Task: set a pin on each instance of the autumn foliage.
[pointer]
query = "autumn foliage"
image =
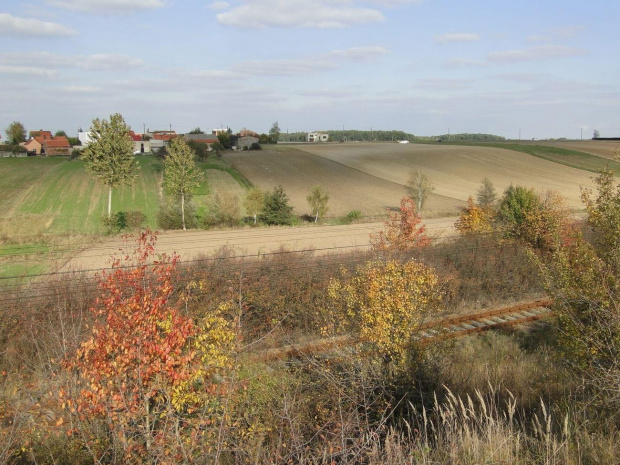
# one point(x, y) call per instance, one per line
point(474, 219)
point(384, 303)
point(403, 230)
point(147, 374)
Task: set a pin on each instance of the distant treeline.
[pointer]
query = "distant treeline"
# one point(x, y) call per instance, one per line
point(466, 137)
point(355, 135)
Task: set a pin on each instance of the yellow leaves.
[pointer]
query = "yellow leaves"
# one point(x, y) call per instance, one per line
point(384, 303)
point(474, 219)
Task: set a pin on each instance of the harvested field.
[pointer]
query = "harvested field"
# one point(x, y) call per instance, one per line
point(601, 148)
point(456, 171)
point(349, 188)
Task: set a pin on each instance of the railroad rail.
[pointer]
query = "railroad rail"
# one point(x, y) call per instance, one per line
point(431, 332)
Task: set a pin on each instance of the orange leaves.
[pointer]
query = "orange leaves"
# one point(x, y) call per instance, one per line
point(143, 360)
point(402, 231)
point(474, 219)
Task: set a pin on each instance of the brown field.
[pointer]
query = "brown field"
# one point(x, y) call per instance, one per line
point(349, 188)
point(601, 148)
point(456, 171)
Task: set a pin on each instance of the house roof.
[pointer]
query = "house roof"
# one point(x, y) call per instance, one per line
point(164, 135)
point(135, 137)
point(45, 135)
point(206, 138)
point(58, 142)
point(247, 132)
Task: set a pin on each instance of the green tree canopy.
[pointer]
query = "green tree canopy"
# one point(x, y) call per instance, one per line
point(419, 188)
point(181, 177)
point(276, 209)
point(274, 133)
point(16, 133)
point(254, 202)
point(317, 200)
point(109, 155)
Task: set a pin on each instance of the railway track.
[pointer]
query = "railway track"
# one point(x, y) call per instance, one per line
point(431, 332)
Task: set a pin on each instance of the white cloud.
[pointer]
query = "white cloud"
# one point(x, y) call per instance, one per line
point(28, 71)
point(457, 37)
point(29, 27)
point(107, 6)
point(320, 14)
point(98, 62)
point(443, 84)
point(464, 63)
point(311, 64)
point(358, 53)
point(284, 67)
point(219, 5)
point(541, 52)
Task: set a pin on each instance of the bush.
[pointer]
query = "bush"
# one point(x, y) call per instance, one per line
point(169, 215)
point(135, 219)
point(255, 146)
point(223, 209)
point(276, 209)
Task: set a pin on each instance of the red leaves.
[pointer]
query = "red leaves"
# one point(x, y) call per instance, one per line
point(403, 230)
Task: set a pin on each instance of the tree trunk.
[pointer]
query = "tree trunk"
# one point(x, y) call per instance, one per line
point(183, 210)
point(316, 218)
point(254, 218)
point(110, 202)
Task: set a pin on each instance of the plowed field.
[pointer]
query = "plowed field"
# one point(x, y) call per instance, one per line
point(456, 171)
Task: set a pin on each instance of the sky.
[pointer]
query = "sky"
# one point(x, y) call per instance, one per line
point(534, 69)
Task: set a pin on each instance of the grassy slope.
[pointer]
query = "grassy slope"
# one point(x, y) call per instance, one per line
point(572, 158)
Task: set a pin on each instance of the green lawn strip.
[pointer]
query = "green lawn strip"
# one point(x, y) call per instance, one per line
point(237, 176)
point(10, 250)
point(19, 272)
point(143, 194)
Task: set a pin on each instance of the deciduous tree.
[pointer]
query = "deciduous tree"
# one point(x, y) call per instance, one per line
point(317, 200)
point(486, 195)
point(148, 373)
point(403, 230)
point(274, 133)
point(254, 202)
point(16, 133)
point(109, 156)
point(473, 219)
point(181, 177)
point(419, 187)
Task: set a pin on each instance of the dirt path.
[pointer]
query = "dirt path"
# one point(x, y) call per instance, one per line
point(254, 242)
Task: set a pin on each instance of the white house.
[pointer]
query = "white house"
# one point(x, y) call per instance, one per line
point(317, 137)
point(84, 137)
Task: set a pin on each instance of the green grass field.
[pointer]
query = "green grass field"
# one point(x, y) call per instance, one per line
point(45, 201)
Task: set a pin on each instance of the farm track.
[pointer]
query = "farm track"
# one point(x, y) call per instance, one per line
point(431, 332)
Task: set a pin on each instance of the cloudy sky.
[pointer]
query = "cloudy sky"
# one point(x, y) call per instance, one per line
point(545, 67)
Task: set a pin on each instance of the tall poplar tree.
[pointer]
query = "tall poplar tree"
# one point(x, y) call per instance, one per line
point(181, 177)
point(109, 155)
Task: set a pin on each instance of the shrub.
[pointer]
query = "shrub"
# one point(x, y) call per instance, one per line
point(473, 219)
point(222, 209)
point(276, 209)
point(169, 215)
point(402, 231)
point(255, 146)
point(514, 206)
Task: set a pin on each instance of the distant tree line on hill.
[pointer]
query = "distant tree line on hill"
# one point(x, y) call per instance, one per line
point(467, 137)
point(389, 136)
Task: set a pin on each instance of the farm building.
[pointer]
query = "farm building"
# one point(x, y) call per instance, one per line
point(206, 139)
point(317, 137)
point(243, 142)
point(56, 146)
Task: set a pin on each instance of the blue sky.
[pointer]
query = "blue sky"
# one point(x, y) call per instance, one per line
point(546, 68)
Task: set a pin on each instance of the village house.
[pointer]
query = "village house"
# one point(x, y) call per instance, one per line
point(317, 137)
point(207, 139)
